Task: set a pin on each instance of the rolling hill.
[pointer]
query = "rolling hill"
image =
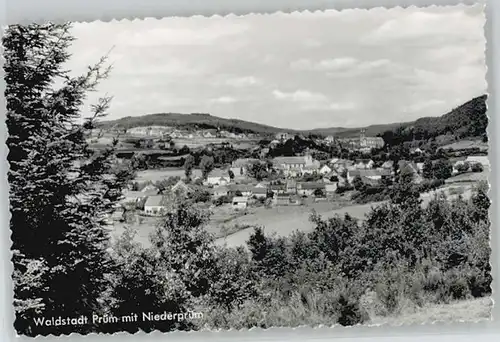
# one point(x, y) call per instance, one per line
point(466, 120)
point(193, 120)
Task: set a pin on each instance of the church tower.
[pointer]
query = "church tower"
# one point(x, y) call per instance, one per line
point(362, 138)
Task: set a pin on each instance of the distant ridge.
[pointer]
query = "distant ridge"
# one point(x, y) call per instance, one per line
point(468, 119)
point(198, 120)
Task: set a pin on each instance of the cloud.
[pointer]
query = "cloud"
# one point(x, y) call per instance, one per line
point(299, 96)
point(196, 32)
point(414, 25)
point(325, 64)
point(243, 81)
point(312, 101)
point(223, 100)
point(386, 65)
point(424, 105)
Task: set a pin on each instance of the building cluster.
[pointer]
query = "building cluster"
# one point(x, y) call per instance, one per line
point(361, 143)
point(174, 133)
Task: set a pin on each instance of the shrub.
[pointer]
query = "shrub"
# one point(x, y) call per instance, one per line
point(232, 281)
point(222, 200)
point(477, 167)
point(464, 167)
point(200, 195)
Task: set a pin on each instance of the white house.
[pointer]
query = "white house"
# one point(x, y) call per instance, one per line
point(158, 205)
point(310, 169)
point(388, 164)
point(220, 191)
point(374, 175)
point(420, 167)
point(330, 139)
point(330, 188)
point(217, 177)
point(240, 202)
point(364, 164)
point(325, 170)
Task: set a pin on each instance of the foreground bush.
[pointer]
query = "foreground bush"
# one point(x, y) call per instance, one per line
point(401, 258)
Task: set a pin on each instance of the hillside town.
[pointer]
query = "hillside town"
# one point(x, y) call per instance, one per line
point(298, 180)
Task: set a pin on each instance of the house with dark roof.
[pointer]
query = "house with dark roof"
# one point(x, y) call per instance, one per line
point(259, 192)
point(286, 199)
point(277, 188)
point(240, 189)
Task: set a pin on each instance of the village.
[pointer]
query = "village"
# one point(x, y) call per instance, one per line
point(245, 187)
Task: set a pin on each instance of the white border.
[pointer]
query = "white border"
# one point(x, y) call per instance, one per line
point(25, 11)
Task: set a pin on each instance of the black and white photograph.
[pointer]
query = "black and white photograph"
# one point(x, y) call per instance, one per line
point(317, 168)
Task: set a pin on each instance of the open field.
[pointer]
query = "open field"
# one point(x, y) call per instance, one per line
point(472, 310)
point(284, 220)
point(466, 144)
point(470, 177)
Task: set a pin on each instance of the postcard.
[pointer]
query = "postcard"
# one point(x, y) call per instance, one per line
point(324, 168)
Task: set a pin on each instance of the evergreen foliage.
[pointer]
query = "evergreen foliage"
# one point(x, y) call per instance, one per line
point(60, 190)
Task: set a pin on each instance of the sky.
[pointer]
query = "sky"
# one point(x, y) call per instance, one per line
point(298, 70)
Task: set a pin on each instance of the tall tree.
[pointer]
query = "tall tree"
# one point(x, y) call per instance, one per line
point(207, 164)
point(60, 190)
point(428, 169)
point(188, 166)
